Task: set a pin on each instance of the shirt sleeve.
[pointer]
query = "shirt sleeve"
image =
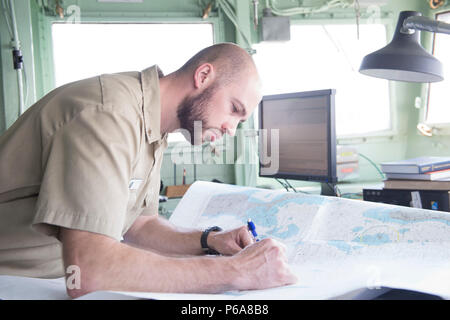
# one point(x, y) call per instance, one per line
point(86, 176)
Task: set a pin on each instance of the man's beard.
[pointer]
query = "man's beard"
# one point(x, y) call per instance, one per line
point(192, 110)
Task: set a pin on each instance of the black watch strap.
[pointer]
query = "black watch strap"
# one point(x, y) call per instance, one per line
point(204, 238)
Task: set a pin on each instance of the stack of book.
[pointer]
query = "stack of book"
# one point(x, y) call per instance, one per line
point(423, 173)
point(420, 182)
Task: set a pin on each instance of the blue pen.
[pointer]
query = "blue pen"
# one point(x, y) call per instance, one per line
point(252, 229)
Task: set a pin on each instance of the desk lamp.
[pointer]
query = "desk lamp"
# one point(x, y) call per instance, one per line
point(404, 59)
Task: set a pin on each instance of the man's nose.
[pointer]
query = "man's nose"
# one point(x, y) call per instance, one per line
point(230, 129)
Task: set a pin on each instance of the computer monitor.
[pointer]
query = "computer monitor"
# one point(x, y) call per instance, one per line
point(297, 136)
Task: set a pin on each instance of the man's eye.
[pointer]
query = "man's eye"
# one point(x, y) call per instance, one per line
point(234, 108)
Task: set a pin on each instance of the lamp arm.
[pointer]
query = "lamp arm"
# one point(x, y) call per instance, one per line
point(425, 24)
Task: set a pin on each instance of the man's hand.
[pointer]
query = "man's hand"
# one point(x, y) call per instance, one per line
point(260, 264)
point(230, 242)
point(263, 265)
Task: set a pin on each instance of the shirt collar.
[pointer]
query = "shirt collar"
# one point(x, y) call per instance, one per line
point(151, 106)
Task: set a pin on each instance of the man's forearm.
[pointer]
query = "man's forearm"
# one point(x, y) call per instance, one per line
point(155, 233)
point(117, 266)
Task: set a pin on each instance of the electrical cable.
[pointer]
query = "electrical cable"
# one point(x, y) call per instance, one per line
point(287, 182)
point(307, 10)
point(374, 164)
point(283, 184)
point(295, 190)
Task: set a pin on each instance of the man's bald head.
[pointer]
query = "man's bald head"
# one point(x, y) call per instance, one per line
point(229, 60)
point(225, 90)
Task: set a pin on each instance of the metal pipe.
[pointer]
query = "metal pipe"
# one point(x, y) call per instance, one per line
point(425, 24)
point(174, 174)
point(20, 88)
point(255, 13)
point(16, 46)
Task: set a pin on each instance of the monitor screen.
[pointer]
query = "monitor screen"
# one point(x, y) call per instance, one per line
point(297, 137)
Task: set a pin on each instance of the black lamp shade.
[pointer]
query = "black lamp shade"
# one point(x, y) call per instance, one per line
point(404, 59)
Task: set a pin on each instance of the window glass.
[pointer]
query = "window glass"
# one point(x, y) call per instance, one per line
point(85, 50)
point(438, 96)
point(328, 57)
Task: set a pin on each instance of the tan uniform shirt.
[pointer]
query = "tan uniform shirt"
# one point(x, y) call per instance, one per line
point(87, 156)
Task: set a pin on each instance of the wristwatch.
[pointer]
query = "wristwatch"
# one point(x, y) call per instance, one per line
point(204, 242)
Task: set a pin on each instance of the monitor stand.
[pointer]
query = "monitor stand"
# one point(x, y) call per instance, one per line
point(326, 189)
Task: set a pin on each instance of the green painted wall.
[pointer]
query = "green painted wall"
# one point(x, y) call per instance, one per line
point(34, 28)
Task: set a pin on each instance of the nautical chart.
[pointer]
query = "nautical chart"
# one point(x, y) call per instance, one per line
point(334, 244)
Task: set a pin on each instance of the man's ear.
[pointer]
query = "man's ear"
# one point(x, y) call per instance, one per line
point(203, 75)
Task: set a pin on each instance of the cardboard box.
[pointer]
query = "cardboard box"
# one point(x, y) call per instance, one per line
point(176, 191)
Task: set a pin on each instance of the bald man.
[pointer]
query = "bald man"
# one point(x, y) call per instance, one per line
point(79, 183)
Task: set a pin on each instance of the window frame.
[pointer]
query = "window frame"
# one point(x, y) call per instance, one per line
point(46, 49)
point(439, 129)
point(45, 33)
